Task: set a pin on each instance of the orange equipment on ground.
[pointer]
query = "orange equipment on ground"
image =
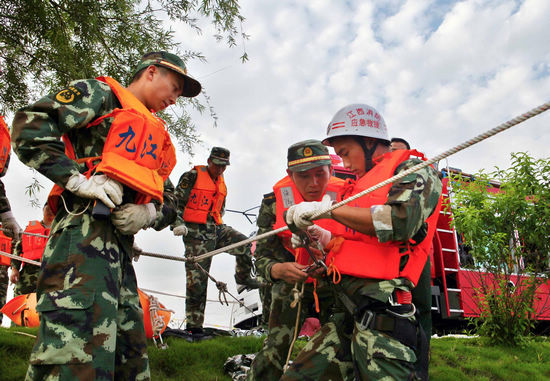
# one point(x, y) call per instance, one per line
point(161, 316)
point(22, 311)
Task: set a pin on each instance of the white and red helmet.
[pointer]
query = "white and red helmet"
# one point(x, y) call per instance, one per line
point(359, 120)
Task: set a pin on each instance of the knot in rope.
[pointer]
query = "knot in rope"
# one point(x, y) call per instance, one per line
point(157, 323)
point(297, 295)
point(222, 287)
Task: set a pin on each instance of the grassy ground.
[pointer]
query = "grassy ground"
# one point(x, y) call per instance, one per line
point(452, 358)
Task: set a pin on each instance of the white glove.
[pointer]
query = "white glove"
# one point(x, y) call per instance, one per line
point(130, 218)
point(98, 187)
point(300, 214)
point(12, 228)
point(181, 230)
point(317, 233)
point(323, 236)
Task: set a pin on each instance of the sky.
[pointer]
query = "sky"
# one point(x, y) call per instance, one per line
point(439, 72)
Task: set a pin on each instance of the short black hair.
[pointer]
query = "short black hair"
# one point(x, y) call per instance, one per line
point(139, 73)
point(401, 140)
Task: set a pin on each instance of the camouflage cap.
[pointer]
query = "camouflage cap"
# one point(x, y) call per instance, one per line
point(191, 87)
point(307, 154)
point(219, 156)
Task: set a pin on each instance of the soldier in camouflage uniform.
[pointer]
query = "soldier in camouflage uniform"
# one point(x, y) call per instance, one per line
point(10, 227)
point(199, 222)
point(25, 275)
point(422, 293)
point(91, 322)
point(371, 335)
point(309, 167)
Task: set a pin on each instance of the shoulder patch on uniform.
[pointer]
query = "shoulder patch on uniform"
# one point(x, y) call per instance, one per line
point(68, 95)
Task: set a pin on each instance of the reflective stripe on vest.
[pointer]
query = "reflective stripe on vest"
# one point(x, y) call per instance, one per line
point(286, 195)
point(206, 198)
point(363, 256)
point(4, 143)
point(33, 247)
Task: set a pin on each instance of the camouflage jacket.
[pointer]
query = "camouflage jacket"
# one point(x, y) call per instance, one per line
point(183, 191)
point(410, 202)
point(38, 128)
point(4, 203)
point(270, 250)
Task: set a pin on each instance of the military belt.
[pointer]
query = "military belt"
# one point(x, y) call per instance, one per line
point(400, 328)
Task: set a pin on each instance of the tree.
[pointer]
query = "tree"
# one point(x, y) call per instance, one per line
point(508, 235)
point(44, 44)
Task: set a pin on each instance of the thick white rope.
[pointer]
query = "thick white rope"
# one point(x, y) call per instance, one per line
point(182, 296)
point(502, 127)
point(298, 296)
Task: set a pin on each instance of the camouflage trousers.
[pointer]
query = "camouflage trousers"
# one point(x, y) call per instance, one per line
point(28, 276)
point(345, 350)
point(200, 241)
point(4, 282)
point(265, 297)
point(91, 322)
point(422, 299)
point(269, 362)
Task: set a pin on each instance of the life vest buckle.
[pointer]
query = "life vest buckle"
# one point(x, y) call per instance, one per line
point(365, 320)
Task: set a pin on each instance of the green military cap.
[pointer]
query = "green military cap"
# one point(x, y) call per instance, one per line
point(219, 155)
point(306, 155)
point(191, 87)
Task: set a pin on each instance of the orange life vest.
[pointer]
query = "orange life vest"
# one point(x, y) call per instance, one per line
point(286, 195)
point(363, 256)
point(5, 246)
point(4, 143)
point(138, 151)
point(206, 198)
point(33, 246)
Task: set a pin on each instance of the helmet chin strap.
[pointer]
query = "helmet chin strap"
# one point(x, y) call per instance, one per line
point(368, 152)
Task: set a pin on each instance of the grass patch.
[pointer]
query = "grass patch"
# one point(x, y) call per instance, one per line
point(469, 359)
point(451, 358)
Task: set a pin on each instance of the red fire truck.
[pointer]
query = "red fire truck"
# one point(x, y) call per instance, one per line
point(454, 286)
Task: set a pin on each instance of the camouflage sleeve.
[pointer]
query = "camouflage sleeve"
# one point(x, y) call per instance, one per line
point(183, 190)
point(17, 250)
point(410, 202)
point(37, 129)
point(167, 211)
point(270, 250)
point(4, 203)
